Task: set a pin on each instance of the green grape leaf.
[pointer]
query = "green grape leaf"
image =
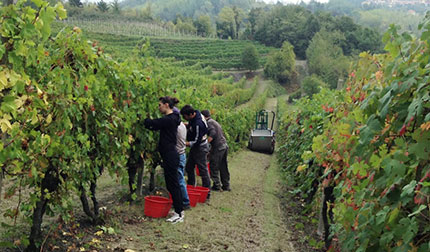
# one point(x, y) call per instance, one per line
point(62, 14)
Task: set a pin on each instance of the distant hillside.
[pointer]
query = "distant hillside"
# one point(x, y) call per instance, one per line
point(377, 14)
point(168, 9)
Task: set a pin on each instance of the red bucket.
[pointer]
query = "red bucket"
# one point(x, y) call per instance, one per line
point(194, 197)
point(203, 193)
point(157, 206)
point(198, 173)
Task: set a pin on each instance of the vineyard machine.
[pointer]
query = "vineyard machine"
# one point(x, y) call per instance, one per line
point(262, 138)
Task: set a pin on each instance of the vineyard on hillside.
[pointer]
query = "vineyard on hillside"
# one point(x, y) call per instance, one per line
point(119, 47)
point(217, 53)
point(360, 157)
point(220, 54)
point(69, 112)
point(127, 28)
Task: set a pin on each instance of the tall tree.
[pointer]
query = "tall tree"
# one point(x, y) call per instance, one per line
point(250, 58)
point(203, 25)
point(185, 25)
point(326, 59)
point(280, 65)
point(226, 23)
point(147, 12)
point(116, 9)
point(102, 6)
point(76, 3)
point(238, 17)
point(254, 15)
point(286, 23)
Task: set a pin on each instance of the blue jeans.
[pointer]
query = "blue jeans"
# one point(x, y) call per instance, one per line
point(182, 184)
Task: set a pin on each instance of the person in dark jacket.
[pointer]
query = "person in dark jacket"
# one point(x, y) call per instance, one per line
point(218, 154)
point(199, 148)
point(167, 125)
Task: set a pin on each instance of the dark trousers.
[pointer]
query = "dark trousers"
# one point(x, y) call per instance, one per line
point(171, 175)
point(197, 156)
point(219, 168)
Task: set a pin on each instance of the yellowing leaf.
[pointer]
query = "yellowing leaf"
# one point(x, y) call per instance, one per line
point(363, 54)
point(13, 78)
point(301, 167)
point(20, 101)
point(130, 139)
point(34, 118)
point(129, 250)
point(49, 119)
point(99, 233)
point(94, 240)
point(43, 164)
point(60, 11)
point(5, 125)
point(3, 80)
point(425, 126)
point(39, 92)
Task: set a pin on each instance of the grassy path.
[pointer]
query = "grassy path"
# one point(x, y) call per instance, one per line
point(262, 85)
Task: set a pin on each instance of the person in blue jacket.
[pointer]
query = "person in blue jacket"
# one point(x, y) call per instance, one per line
point(199, 148)
point(167, 125)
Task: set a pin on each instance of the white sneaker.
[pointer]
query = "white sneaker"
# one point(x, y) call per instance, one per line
point(176, 218)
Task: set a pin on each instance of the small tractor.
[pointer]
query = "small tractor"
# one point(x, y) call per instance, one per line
point(262, 138)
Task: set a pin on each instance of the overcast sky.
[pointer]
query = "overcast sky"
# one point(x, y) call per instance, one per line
point(290, 1)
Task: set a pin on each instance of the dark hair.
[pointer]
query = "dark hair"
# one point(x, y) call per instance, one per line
point(172, 101)
point(175, 100)
point(206, 113)
point(187, 110)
